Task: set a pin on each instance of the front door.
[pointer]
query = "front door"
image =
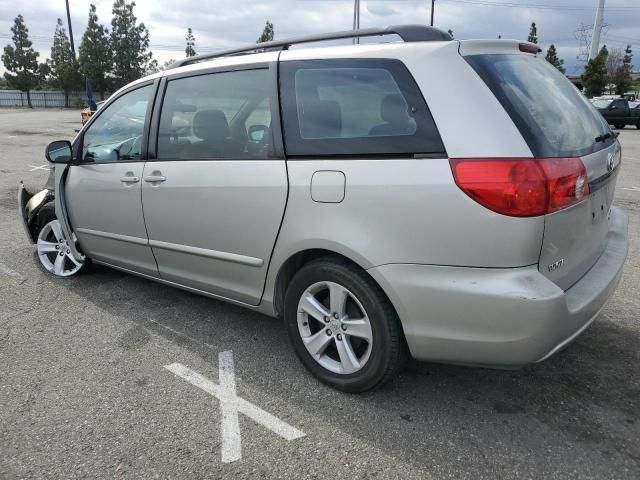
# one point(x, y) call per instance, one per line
point(103, 191)
point(215, 195)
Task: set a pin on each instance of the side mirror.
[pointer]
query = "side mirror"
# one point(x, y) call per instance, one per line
point(613, 107)
point(257, 132)
point(59, 151)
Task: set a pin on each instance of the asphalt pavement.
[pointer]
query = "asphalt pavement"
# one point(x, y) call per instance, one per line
point(84, 392)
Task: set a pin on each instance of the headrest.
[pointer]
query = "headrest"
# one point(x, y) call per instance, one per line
point(211, 125)
point(394, 109)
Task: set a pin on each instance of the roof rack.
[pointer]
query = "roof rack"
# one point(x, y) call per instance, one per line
point(408, 33)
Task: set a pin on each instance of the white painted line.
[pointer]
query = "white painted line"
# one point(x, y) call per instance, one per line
point(36, 167)
point(7, 271)
point(633, 189)
point(231, 405)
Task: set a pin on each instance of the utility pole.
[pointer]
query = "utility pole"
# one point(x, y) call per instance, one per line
point(433, 4)
point(356, 19)
point(597, 30)
point(73, 49)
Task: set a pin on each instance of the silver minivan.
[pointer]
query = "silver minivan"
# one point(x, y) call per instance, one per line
point(449, 200)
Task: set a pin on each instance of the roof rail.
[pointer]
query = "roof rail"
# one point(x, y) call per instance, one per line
point(408, 33)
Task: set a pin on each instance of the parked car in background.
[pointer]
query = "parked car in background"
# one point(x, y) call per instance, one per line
point(619, 112)
point(337, 188)
point(86, 113)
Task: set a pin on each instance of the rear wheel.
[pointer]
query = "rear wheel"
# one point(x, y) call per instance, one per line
point(342, 326)
point(620, 126)
point(638, 125)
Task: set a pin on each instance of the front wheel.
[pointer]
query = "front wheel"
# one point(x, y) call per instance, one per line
point(54, 253)
point(342, 326)
point(620, 126)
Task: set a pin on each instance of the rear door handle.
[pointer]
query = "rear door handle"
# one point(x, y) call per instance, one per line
point(155, 177)
point(129, 179)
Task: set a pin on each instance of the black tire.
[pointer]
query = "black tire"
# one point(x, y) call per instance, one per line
point(638, 125)
point(620, 126)
point(46, 213)
point(388, 350)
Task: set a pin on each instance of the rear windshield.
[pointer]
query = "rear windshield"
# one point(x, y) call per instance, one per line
point(554, 118)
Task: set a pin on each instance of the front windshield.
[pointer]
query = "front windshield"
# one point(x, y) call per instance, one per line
point(601, 103)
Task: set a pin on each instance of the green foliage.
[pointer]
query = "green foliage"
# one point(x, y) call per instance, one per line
point(63, 65)
point(594, 78)
point(191, 43)
point(95, 57)
point(622, 76)
point(552, 58)
point(533, 34)
point(129, 43)
point(267, 33)
point(21, 60)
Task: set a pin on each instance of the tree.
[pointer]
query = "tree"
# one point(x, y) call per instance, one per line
point(95, 59)
point(594, 77)
point(533, 34)
point(63, 65)
point(622, 76)
point(129, 44)
point(21, 60)
point(552, 58)
point(191, 43)
point(267, 33)
point(167, 64)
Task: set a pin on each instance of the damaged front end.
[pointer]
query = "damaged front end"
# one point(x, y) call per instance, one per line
point(29, 204)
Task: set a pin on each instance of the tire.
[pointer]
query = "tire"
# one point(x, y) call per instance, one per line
point(378, 360)
point(620, 126)
point(638, 125)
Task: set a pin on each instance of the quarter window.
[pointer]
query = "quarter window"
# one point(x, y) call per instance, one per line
point(218, 115)
point(352, 107)
point(116, 134)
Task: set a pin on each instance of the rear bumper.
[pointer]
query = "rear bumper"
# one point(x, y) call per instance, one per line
point(499, 317)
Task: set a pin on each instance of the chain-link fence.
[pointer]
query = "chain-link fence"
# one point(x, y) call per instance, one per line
point(41, 99)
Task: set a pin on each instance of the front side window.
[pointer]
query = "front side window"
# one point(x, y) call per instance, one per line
point(218, 115)
point(355, 107)
point(116, 134)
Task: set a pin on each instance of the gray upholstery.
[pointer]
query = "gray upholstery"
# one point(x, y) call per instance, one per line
point(321, 119)
point(212, 128)
point(395, 112)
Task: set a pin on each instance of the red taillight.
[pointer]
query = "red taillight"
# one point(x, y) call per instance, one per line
point(522, 187)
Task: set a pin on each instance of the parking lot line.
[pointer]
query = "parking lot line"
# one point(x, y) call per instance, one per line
point(231, 405)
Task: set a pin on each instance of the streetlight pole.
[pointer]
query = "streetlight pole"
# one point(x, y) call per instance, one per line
point(73, 49)
point(597, 29)
point(356, 19)
point(433, 4)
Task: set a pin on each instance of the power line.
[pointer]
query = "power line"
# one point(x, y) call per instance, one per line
point(625, 9)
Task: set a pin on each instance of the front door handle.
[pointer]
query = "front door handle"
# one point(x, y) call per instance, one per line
point(129, 179)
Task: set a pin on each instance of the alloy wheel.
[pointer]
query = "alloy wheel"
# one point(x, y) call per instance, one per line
point(334, 327)
point(54, 252)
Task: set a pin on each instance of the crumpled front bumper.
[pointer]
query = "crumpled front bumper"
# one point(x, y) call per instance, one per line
point(28, 206)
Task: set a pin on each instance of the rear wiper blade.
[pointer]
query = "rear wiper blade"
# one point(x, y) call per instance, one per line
point(603, 137)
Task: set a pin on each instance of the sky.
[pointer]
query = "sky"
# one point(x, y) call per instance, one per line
point(219, 24)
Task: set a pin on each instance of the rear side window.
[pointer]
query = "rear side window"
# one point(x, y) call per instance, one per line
point(554, 118)
point(354, 107)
